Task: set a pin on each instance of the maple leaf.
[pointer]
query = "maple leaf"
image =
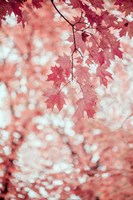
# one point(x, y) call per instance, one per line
point(101, 58)
point(97, 3)
point(75, 3)
point(94, 48)
point(115, 48)
point(85, 106)
point(80, 44)
point(87, 103)
point(108, 20)
point(102, 73)
point(126, 27)
point(91, 15)
point(119, 2)
point(112, 43)
point(56, 99)
point(125, 6)
point(4, 8)
point(79, 22)
point(65, 63)
point(84, 36)
point(9, 7)
point(16, 8)
point(57, 76)
point(37, 3)
point(82, 74)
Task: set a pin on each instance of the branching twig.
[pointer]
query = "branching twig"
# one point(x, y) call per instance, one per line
point(73, 33)
point(52, 1)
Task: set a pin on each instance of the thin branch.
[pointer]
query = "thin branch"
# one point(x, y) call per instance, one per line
point(52, 1)
point(73, 33)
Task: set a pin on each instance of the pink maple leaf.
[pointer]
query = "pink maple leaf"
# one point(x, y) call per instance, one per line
point(65, 63)
point(101, 58)
point(75, 3)
point(57, 76)
point(97, 3)
point(56, 99)
point(126, 27)
point(102, 73)
point(82, 74)
point(85, 106)
point(80, 44)
point(115, 45)
point(37, 3)
point(87, 103)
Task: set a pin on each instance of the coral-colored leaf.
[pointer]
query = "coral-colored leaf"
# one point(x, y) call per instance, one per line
point(85, 106)
point(82, 74)
point(97, 3)
point(65, 63)
point(87, 103)
point(102, 73)
point(101, 58)
point(75, 3)
point(125, 6)
point(80, 44)
point(37, 3)
point(57, 76)
point(126, 27)
point(56, 99)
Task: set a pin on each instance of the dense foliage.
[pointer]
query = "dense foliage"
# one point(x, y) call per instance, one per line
point(66, 100)
point(93, 42)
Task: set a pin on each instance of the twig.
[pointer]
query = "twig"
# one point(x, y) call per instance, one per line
point(73, 33)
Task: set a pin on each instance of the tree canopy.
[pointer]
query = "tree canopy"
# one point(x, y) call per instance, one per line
point(95, 32)
point(66, 107)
